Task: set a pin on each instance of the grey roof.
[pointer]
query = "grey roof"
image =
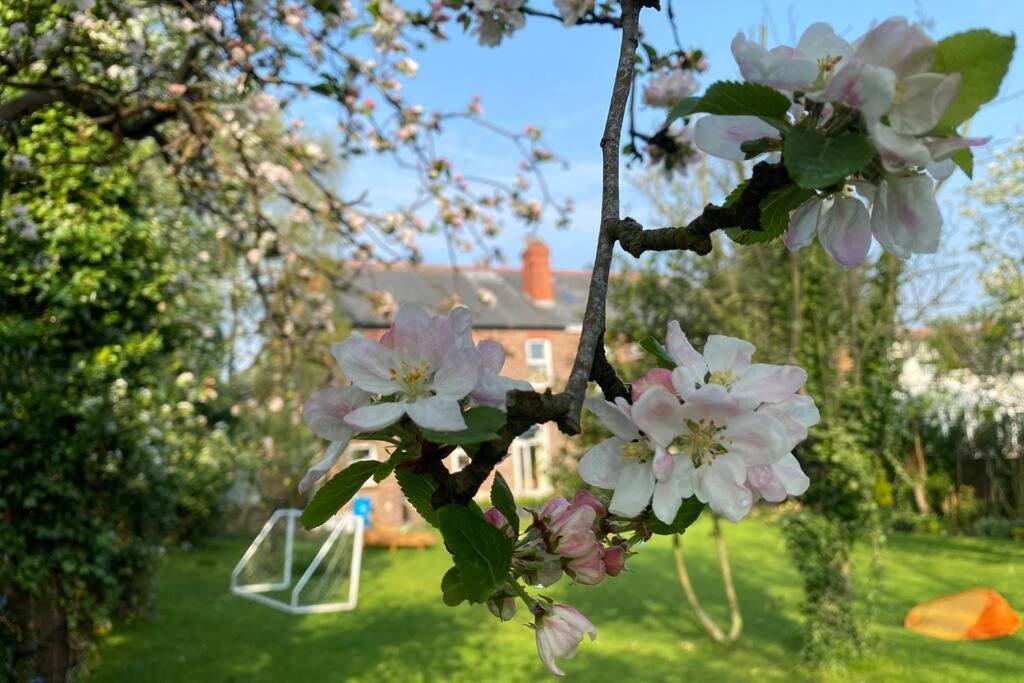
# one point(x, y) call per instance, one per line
point(432, 285)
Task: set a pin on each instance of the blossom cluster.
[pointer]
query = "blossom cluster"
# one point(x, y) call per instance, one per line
point(424, 366)
point(577, 539)
point(881, 85)
point(716, 426)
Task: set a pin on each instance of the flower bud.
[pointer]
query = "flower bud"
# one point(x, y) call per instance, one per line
point(496, 519)
point(584, 497)
point(614, 560)
point(589, 569)
point(560, 630)
point(654, 377)
point(502, 606)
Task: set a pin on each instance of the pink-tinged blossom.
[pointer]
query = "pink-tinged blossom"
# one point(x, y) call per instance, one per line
point(799, 68)
point(491, 388)
point(572, 530)
point(654, 377)
point(560, 630)
point(573, 10)
point(588, 569)
point(905, 218)
point(496, 519)
point(324, 413)
point(776, 481)
point(419, 364)
point(666, 88)
point(845, 231)
point(722, 136)
point(615, 560)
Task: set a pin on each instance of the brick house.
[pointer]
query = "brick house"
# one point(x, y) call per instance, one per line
point(534, 311)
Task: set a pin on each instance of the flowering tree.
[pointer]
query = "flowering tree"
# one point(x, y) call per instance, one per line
point(706, 428)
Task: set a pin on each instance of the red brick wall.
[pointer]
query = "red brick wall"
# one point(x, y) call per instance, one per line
point(389, 505)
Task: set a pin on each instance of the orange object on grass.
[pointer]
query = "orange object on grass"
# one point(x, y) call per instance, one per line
point(977, 614)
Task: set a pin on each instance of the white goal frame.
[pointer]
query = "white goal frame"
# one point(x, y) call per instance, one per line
point(255, 591)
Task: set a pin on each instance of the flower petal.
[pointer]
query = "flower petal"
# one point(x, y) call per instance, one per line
point(771, 383)
point(906, 217)
point(366, 364)
point(846, 231)
point(669, 494)
point(682, 351)
point(324, 411)
point(317, 471)
point(375, 417)
point(633, 489)
point(659, 415)
point(720, 485)
point(897, 45)
point(869, 89)
point(601, 465)
point(441, 413)
point(492, 355)
point(820, 42)
point(781, 68)
point(727, 354)
point(756, 438)
point(721, 136)
point(458, 374)
point(803, 224)
point(898, 151)
point(711, 402)
point(925, 98)
point(461, 319)
point(613, 417)
point(788, 472)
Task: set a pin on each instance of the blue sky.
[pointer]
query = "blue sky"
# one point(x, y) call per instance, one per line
point(559, 79)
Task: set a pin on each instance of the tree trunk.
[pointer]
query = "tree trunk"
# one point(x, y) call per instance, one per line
point(736, 625)
point(44, 652)
point(920, 494)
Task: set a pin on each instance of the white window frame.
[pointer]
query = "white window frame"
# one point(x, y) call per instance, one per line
point(521, 447)
point(548, 360)
point(373, 454)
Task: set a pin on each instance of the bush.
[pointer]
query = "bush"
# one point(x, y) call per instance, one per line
point(999, 527)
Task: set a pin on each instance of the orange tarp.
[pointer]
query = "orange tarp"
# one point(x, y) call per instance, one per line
point(977, 614)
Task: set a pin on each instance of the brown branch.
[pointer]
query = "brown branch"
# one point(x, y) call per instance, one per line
point(695, 236)
point(594, 315)
point(604, 374)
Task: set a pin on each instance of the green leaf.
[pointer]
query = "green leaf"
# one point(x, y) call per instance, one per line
point(964, 158)
point(451, 588)
point(502, 498)
point(775, 210)
point(736, 193)
point(419, 491)
point(482, 553)
point(658, 350)
point(330, 497)
point(981, 58)
point(482, 424)
point(814, 160)
point(688, 513)
point(735, 99)
point(402, 453)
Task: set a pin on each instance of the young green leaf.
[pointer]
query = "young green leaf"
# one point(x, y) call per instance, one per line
point(451, 588)
point(402, 453)
point(330, 497)
point(482, 553)
point(981, 58)
point(482, 424)
point(688, 513)
point(735, 99)
point(658, 350)
point(815, 160)
point(964, 158)
point(502, 498)
point(419, 490)
point(775, 210)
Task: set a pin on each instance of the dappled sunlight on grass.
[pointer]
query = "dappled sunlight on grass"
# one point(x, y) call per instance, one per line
point(401, 631)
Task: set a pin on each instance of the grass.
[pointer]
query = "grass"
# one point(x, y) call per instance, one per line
point(401, 631)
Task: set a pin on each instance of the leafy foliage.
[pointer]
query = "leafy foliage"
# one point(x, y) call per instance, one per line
point(732, 98)
point(330, 497)
point(982, 58)
point(482, 553)
point(815, 160)
point(688, 513)
point(482, 424)
point(775, 210)
point(504, 501)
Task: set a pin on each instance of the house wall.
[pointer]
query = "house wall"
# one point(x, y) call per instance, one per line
point(390, 508)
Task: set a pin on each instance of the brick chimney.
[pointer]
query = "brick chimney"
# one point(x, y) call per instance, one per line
point(537, 281)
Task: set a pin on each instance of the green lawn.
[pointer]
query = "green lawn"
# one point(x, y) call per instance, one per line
point(402, 632)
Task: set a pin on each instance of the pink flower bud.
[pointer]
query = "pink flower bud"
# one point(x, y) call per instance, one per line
point(496, 519)
point(572, 532)
point(584, 497)
point(560, 630)
point(614, 560)
point(654, 377)
point(589, 569)
point(554, 507)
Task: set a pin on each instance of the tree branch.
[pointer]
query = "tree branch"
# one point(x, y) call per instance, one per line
point(695, 236)
point(594, 315)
